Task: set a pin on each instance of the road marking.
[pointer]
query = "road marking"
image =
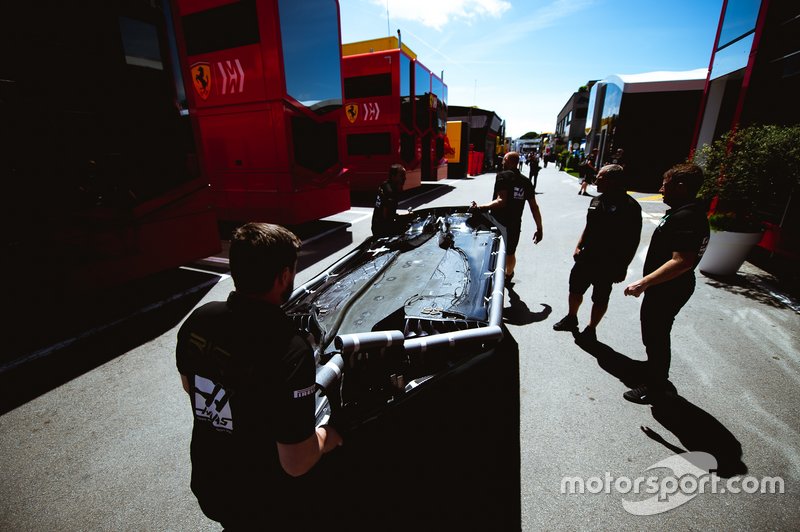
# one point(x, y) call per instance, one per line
point(653, 198)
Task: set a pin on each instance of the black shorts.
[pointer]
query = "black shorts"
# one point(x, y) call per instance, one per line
point(512, 240)
point(583, 275)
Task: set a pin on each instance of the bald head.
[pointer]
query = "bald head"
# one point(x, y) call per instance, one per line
point(511, 160)
point(610, 177)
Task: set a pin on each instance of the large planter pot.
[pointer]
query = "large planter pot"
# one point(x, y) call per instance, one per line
point(727, 251)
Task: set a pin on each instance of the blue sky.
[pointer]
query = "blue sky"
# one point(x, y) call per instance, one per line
point(524, 59)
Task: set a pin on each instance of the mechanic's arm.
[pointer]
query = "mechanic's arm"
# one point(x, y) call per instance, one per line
point(497, 203)
point(387, 213)
point(681, 261)
point(579, 246)
point(537, 217)
point(298, 458)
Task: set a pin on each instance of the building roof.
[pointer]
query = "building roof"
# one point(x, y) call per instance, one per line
point(478, 118)
point(376, 45)
point(660, 81)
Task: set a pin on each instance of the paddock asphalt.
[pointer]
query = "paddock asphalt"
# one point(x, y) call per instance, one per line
point(95, 427)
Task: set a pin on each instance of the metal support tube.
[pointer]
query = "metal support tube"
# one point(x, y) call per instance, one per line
point(330, 372)
point(421, 344)
point(353, 343)
point(498, 286)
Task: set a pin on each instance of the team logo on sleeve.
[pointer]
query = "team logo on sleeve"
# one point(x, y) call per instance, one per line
point(212, 404)
point(201, 78)
point(519, 193)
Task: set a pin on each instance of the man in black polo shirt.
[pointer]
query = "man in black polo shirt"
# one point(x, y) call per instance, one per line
point(675, 249)
point(511, 192)
point(250, 378)
point(605, 248)
point(386, 221)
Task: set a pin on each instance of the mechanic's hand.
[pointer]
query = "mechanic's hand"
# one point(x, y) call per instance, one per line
point(537, 236)
point(576, 253)
point(636, 289)
point(332, 438)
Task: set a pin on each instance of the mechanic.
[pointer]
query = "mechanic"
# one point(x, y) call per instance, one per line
point(250, 379)
point(604, 251)
point(511, 192)
point(675, 249)
point(386, 220)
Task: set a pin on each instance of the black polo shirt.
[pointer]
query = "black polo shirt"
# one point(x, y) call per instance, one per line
point(683, 229)
point(251, 385)
point(519, 190)
point(613, 229)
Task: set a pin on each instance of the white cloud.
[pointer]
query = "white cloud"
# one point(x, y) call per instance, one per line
point(437, 13)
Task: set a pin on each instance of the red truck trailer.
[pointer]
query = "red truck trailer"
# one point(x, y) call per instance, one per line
point(395, 112)
point(100, 179)
point(264, 90)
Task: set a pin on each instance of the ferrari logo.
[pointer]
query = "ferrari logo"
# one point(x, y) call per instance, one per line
point(201, 78)
point(352, 112)
point(434, 101)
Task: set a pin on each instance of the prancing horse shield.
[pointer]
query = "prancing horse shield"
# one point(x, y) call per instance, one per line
point(352, 112)
point(201, 78)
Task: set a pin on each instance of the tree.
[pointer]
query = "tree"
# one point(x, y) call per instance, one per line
point(750, 171)
point(529, 135)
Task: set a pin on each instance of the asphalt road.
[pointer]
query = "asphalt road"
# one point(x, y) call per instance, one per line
point(105, 447)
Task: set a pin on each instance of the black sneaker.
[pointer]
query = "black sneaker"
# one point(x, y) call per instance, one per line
point(567, 323)
point(587, 336)
point(641, 395)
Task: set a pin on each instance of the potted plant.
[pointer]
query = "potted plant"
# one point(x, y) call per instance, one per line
point(747, 172)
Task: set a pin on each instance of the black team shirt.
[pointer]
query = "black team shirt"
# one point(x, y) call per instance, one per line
point(251, 385)
point(519, 190)
point(613, 229)
point(683, 229)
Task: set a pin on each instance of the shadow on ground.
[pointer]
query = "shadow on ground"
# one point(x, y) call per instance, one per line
point(751, 286)
point(49, 345)
point(696, 429)
point(518, 313)
point(630, 372)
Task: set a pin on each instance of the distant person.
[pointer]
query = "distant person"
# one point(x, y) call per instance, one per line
point(386, 221)
point(546, 156)
point(251, 382)
point(675, 249)
point(522, 160)
point(511, 192)
point(618, 157)
point(533, 170)
point(604, 250)
point(587, 171)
